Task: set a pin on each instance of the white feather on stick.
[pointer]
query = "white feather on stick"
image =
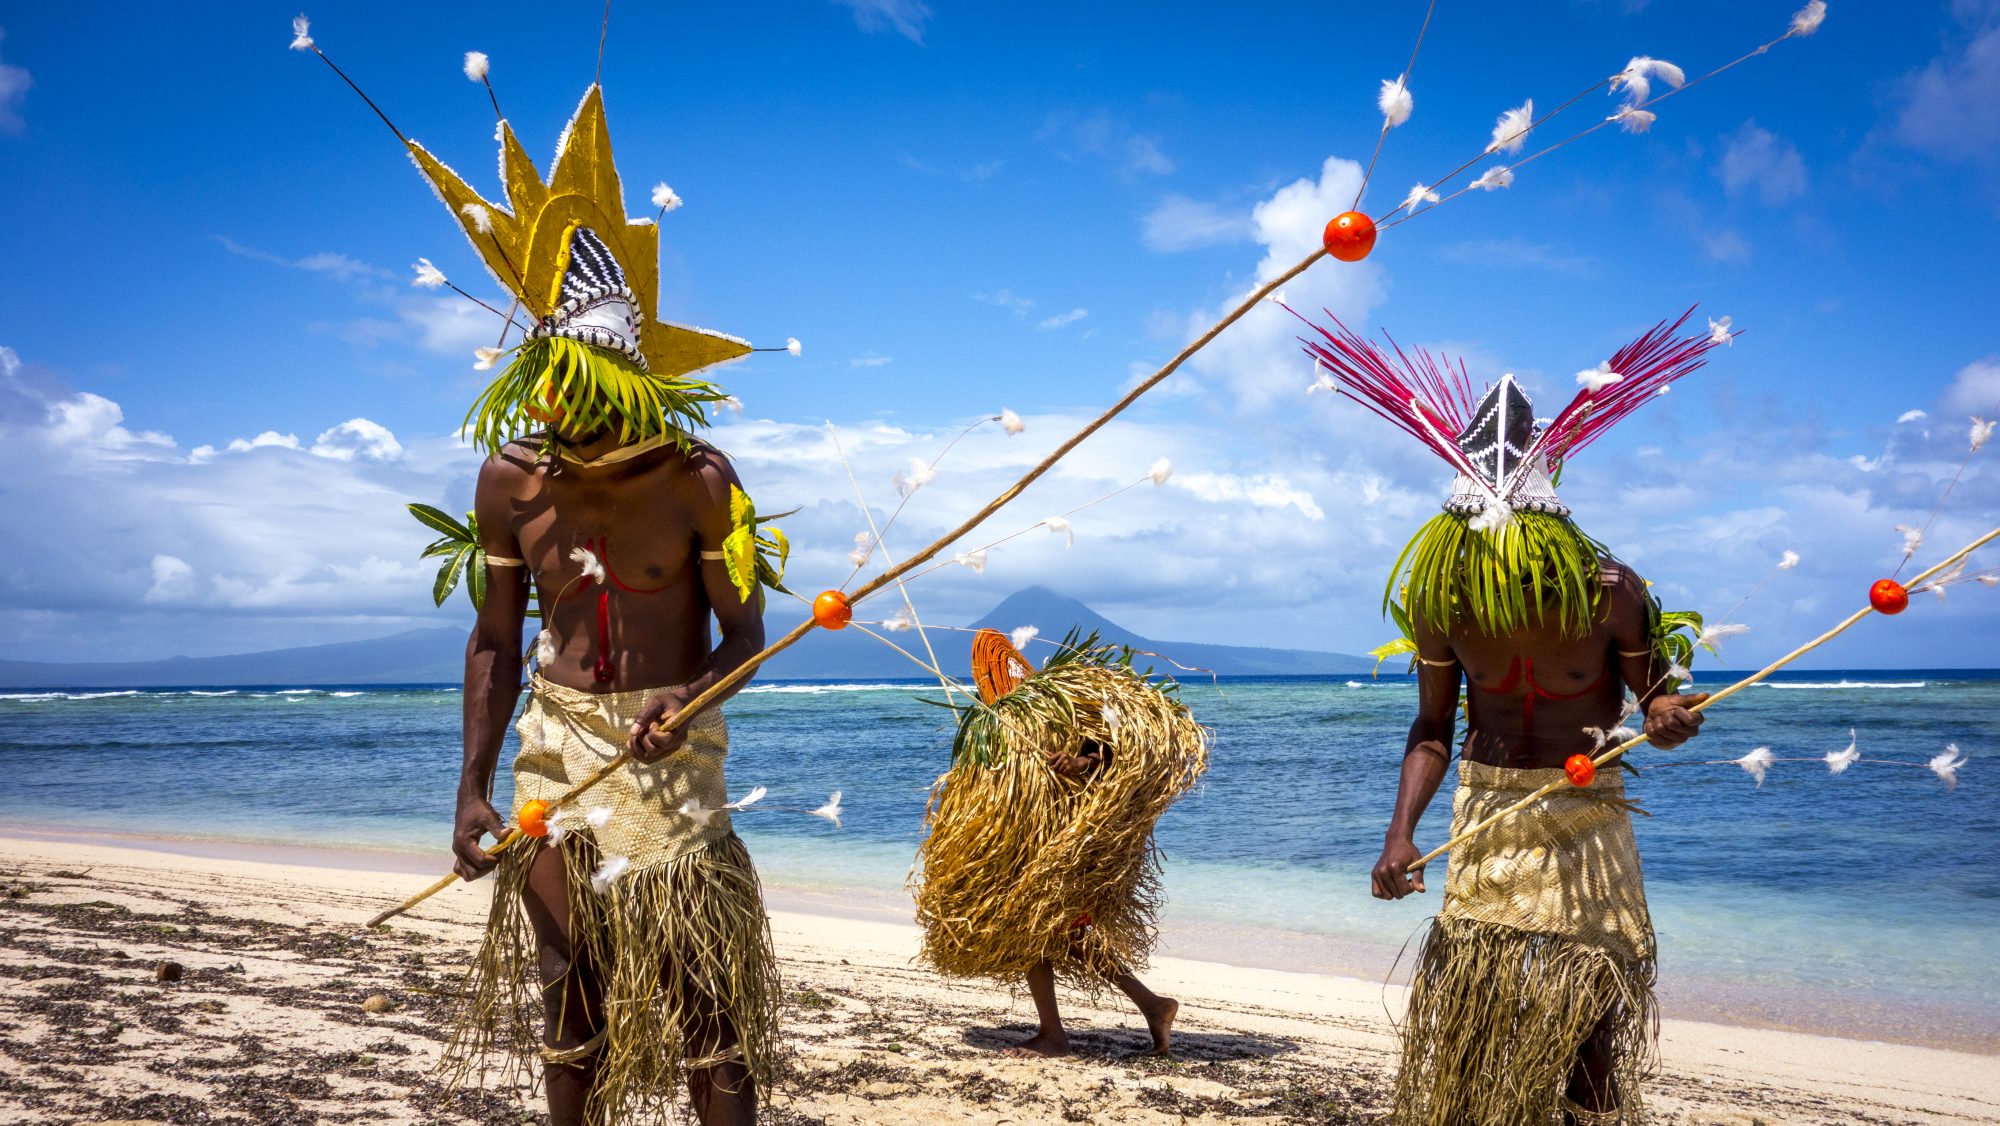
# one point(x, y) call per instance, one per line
point(1806, 20)
point(483, 359)
point(1913, 538)
point(793, 346)
point(1598, 378)
point(598, 817)
point(864, 546)
point(1911, 416)
point(1160, 471)
point(545, 648)
point(975, 561)
point(608, 873)
point(1060, 526)
point(831, 810)
point(428, 276)
point(1419, 194)
point(1498, 176)
point(1321, 380)
point(898, 622)
point(693, 808)
point(1011, 422)
point(587, 559)
point(1837, 761)
point(1757, 763)
point(908, 481)
point(664, 197)
point(1020, 637)
point(1394, 101)
point(1946, 765)
point(477, 65)
point(1510, 132)
point(301, 40)
point(1981, 433)
point(1637, 77)
point(1718, 331)
point(1788, 560)
point(1632, 119)
point(755, 795)
point(482, 219)
point(1712, 634)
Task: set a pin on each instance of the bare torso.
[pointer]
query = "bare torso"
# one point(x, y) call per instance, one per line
point(1532, 693)
point(640, 519)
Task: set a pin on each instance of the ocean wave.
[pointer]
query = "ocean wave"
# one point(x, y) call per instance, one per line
point(223, 692)
point(816, 689)
point(345, 695)
point(1844, 684)
point(31, 695)
point(295, 692)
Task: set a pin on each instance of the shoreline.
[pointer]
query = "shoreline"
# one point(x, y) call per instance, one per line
point(268, 1024)
point(1355, 964)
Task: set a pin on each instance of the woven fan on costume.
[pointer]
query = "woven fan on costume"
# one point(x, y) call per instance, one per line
point(1505, 457)
point(997, 667)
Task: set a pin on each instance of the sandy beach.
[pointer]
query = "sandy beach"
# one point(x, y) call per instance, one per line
point(169, 983)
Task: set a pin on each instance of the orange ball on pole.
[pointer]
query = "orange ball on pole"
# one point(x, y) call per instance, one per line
point(533, 817)
point(1582, 770)
point(1349, 236)
point(831, 611)
point(1888, 597)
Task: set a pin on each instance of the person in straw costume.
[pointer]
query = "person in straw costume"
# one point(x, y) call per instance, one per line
point(1038, 862)
point(637, 910)
point(1532, 997)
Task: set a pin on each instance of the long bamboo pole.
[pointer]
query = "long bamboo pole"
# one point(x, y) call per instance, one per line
point(742, 672)
point(1715, 697)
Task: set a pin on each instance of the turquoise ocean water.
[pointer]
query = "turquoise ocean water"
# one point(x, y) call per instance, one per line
point(1865, 904)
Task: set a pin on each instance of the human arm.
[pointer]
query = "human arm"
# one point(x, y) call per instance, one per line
point(740, 621)
point(1425, 756)
point(492, 675)
point(1090, 755)
point(1669, 718)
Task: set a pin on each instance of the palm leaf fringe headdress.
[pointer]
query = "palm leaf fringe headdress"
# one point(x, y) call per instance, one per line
point(1504, 544)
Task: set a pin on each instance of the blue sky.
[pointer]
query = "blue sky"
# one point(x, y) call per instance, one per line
point(964, 207)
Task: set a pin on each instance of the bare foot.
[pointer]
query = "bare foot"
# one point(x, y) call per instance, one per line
point(1160, 1022)
point(1040, 1045)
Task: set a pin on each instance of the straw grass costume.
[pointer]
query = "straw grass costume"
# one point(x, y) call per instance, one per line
point(664, 908)
point(1544, 932)
point(1020, 865)
point(676, 934)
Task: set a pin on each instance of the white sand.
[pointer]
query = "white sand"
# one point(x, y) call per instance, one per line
point(93, 1037)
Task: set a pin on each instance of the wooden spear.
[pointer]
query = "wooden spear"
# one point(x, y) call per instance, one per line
point(1716, 697)
point(742, 672)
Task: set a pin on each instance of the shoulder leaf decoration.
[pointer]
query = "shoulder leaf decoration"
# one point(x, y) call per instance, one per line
point(463, 557)
point(753, 560)
point(1405, 645)
point(458, 546)
point(1676, 634)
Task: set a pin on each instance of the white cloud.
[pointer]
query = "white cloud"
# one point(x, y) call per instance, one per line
point(870, 360)
point(1100, 134)
point(1518, 252)
point(1976, 388)
point(1006, 299)
point(904, 17)
point(358, 437)
point(1756, 159)
point(1951, 108)
point(1181, 223)
point(1063, 320)
point(1258, 359)
point(1725, 246)
point(1262, 490)
point(269, 439)
point(173, 580)
point(14, 84)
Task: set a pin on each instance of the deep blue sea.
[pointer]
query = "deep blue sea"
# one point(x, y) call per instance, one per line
point(1864, 904)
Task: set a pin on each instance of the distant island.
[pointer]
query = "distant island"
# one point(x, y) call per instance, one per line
point(436, 656)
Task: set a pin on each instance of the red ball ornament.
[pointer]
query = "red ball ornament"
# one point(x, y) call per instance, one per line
point(1888, 597)
point(1350, 235)
point(1581, 769)
point(533, 817)
point(831, 611)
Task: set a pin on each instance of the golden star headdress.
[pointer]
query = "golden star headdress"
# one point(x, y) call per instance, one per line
point(595, 355)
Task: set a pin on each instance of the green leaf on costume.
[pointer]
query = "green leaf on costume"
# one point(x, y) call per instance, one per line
point(1394, 648)
point(447, 578)
point(437, 521)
